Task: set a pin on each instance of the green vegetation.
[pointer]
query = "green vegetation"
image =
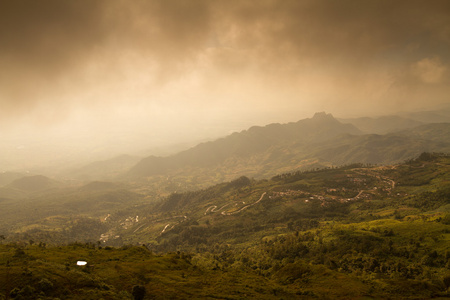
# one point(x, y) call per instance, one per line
point(354, 232)
point(39, 272)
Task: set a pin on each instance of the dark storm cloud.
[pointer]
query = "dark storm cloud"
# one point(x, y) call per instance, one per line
point(44, 41)
point(51, 49)
point(40, 41)
point(343, 31)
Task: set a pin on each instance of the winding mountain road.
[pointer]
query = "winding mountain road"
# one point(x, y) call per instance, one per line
point(245, 207)
point(165, 228)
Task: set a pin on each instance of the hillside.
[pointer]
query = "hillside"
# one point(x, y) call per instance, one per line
point(103, 170)
point(435, 132)
point(327, 193)
point(33, 183)
point(8, 177)
point(41, 272)
point(431, 116)
point(385, 149)
point(382, 125)
point(67, 214)
point(254, 143)
point(262, 152)
point(350, 232)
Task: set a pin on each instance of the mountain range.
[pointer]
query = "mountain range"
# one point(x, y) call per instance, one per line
point(256, 143)
point(320, 141)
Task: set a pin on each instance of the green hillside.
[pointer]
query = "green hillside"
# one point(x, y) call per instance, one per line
point(354, 232)
point(41, 272)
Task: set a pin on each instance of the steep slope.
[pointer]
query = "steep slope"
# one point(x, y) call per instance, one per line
point(254, 143)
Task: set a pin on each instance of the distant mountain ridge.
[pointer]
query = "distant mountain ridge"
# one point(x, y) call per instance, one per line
point(8, 177)
point(248, 143)
point(382, 125)
point(105, 169)
point(400, 121)
point(34, 183)
point(377, 149)
point(309, 143)
point(440, 116)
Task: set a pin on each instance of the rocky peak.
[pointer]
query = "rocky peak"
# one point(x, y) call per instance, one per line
point(322, 115)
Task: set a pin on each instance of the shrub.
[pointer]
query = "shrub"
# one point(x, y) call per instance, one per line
point(138, 292)
point(45, 285)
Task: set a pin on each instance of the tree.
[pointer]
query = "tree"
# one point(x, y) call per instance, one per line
point(45, 285)
point(138, 292)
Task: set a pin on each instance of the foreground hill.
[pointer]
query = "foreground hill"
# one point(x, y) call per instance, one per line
point(40, 272)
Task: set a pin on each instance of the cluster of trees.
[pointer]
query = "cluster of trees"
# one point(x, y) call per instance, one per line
point(374, 256)
point(429, 200)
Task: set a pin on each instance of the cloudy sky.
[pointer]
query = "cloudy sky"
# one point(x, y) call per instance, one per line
point(174, 67)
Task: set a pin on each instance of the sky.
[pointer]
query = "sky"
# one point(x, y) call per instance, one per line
point(142, 73)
